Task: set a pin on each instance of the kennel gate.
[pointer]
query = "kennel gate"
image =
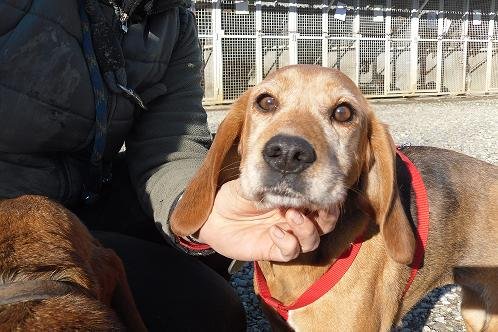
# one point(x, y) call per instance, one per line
point(388, 47)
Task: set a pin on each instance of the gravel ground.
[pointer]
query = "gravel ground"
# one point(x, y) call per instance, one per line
point(465, 124)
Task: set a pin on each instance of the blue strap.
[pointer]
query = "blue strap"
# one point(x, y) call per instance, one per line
point(95, 177)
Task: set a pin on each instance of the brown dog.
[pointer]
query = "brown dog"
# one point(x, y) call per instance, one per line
point(307, 138)
point(54, 276)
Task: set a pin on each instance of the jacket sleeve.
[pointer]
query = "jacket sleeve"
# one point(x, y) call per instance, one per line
point(169, 141)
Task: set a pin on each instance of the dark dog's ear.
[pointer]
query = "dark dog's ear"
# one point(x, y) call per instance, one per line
point(221, 165)
point(382, 193)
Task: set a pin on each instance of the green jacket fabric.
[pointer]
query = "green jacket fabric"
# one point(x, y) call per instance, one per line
point(47, 111)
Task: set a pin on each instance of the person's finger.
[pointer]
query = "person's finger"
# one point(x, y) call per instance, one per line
point(286, 245)
point(327, 219)
point(303, 229)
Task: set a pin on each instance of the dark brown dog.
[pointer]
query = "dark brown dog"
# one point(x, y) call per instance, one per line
point(307, 138)
point(54, 276)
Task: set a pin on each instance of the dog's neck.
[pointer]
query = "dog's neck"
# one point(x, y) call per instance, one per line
point(288, 281)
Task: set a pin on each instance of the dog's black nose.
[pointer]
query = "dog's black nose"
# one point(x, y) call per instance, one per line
point(288, 154)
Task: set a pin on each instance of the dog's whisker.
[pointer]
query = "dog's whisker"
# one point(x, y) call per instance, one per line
point(235, 163)
point(229, 168)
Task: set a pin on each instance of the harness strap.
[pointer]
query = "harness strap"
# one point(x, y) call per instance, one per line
point(315, 291)
point(34, 290)
point(422, 203)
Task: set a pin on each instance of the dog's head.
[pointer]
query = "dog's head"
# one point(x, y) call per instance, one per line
point(302, 138)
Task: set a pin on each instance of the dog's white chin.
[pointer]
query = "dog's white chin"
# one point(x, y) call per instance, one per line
point(271, 201)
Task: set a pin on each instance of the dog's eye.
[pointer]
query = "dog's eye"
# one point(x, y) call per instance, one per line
point(267, 103)
point(342, 113)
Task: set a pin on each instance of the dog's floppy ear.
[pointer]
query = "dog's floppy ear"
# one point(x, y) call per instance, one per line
point(221, 165)
point(381, 191)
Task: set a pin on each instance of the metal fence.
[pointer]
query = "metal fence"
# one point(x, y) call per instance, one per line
point(388, 47)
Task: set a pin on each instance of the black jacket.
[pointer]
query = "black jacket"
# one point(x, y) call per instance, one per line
point(47, 111)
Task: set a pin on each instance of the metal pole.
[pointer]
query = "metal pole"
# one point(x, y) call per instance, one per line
point(356, 34)
point(422, 7)
point(259, 42)
point(465, 31)
point(387, 57)
point(293, 32)
point(439, 52)
point(217, 51)
point(325, 33)
point(414, 47)
point(489, 54)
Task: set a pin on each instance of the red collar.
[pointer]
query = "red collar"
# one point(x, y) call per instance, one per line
point(344, 262)
point(315, 291)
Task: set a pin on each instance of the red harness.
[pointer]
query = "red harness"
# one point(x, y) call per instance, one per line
point(343, 263)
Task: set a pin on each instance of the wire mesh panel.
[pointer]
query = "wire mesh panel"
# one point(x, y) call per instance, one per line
point(476, 66)
point(309, 51)
point(309, 18)
point(208, 78)
point(479, 19)
point(400, 66)
point(428, 20)
point(239, 61)
point(340, 23)
point(452, 67)
point(494, 66)
point(274, 18)
point(203, 13)
point(342, 56)
point(400, 19)
point(371, 67)
point(372, 18)
point(454, 14)
point(427, 66)
point(462, 62)
point(275, 54)
point(238, 17)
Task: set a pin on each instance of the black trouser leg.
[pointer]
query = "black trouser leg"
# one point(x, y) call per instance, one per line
point(173, 291)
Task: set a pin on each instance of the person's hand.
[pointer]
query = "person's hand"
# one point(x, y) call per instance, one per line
point(236, 228)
